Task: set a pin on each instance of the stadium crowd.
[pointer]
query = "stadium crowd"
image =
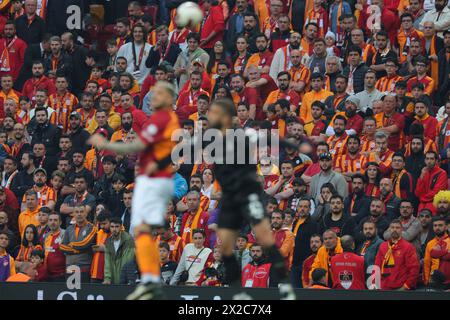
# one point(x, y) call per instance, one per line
point(361, 87)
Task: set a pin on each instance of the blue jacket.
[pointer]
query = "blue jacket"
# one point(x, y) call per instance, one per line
point(181, 186)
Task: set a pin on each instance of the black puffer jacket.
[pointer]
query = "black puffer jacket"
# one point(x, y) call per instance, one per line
point(48, 134)
point(358, 76)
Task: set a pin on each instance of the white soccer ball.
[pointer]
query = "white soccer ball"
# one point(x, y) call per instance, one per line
point(188, 14)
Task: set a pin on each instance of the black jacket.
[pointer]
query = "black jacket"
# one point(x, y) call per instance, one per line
point(48, 134)
point(358, 76)
point(344, 226)
point(64, 65)
point(171, 57)
point(79, 138)
point(302, 248)
point(361, 206)
point(33, 33)
point(81, 71)
point(21, 183)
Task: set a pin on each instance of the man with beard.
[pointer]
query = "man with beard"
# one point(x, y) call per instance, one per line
point(283, 92)
point(331, 247)
point(12, 51)
point(115, 259)
point(248, 95)
point(284, 238)
point(347, 268)
point(390, 200)
point(327, 175)
point(410, 225)
point(315, 129)
point(45, 132)
point(263, 57)
point(299, 186)
point(314, 245)
point(78, 135)
point(431, 181)
point(336, 220)
point(187, 100)
point(24, 179)
point(355, 121)
point(301, 161)
point(376, 215)
point(86, 108)
point(98, 259)
point(46, 195)
point(369, 94)
point(79, 197)
point(382, 54)
point(402, 179)
point(8, 126)
point(338, 138)
point(56, 261)
point(58, 62)
point(303, 229)
point(77, 169)
point(280, 37)
point(300, 74)
point(122, 29)
point(126, 127)
point(78, 54)
point(440, 10)
point(282, 188)
point(38, 81)
point(281, 59)
point(436, 252)
point(258, 273)
point(370, 243)
point(407, 69)
point(336, 102)
point(357, 203)
point(442, 203)
point(398, 261)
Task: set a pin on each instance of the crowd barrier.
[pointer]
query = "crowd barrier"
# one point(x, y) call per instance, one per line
point(61, 291)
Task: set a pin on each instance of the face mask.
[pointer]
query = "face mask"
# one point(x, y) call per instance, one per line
point(40, 184)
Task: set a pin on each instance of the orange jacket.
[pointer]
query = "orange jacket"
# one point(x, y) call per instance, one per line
point(430, 264)
point(322, 257)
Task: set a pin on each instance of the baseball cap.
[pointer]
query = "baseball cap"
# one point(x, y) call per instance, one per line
point(40, 170)
point(75, 114)
point(325, 156)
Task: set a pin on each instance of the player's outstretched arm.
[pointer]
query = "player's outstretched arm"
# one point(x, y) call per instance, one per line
point(101, 143)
